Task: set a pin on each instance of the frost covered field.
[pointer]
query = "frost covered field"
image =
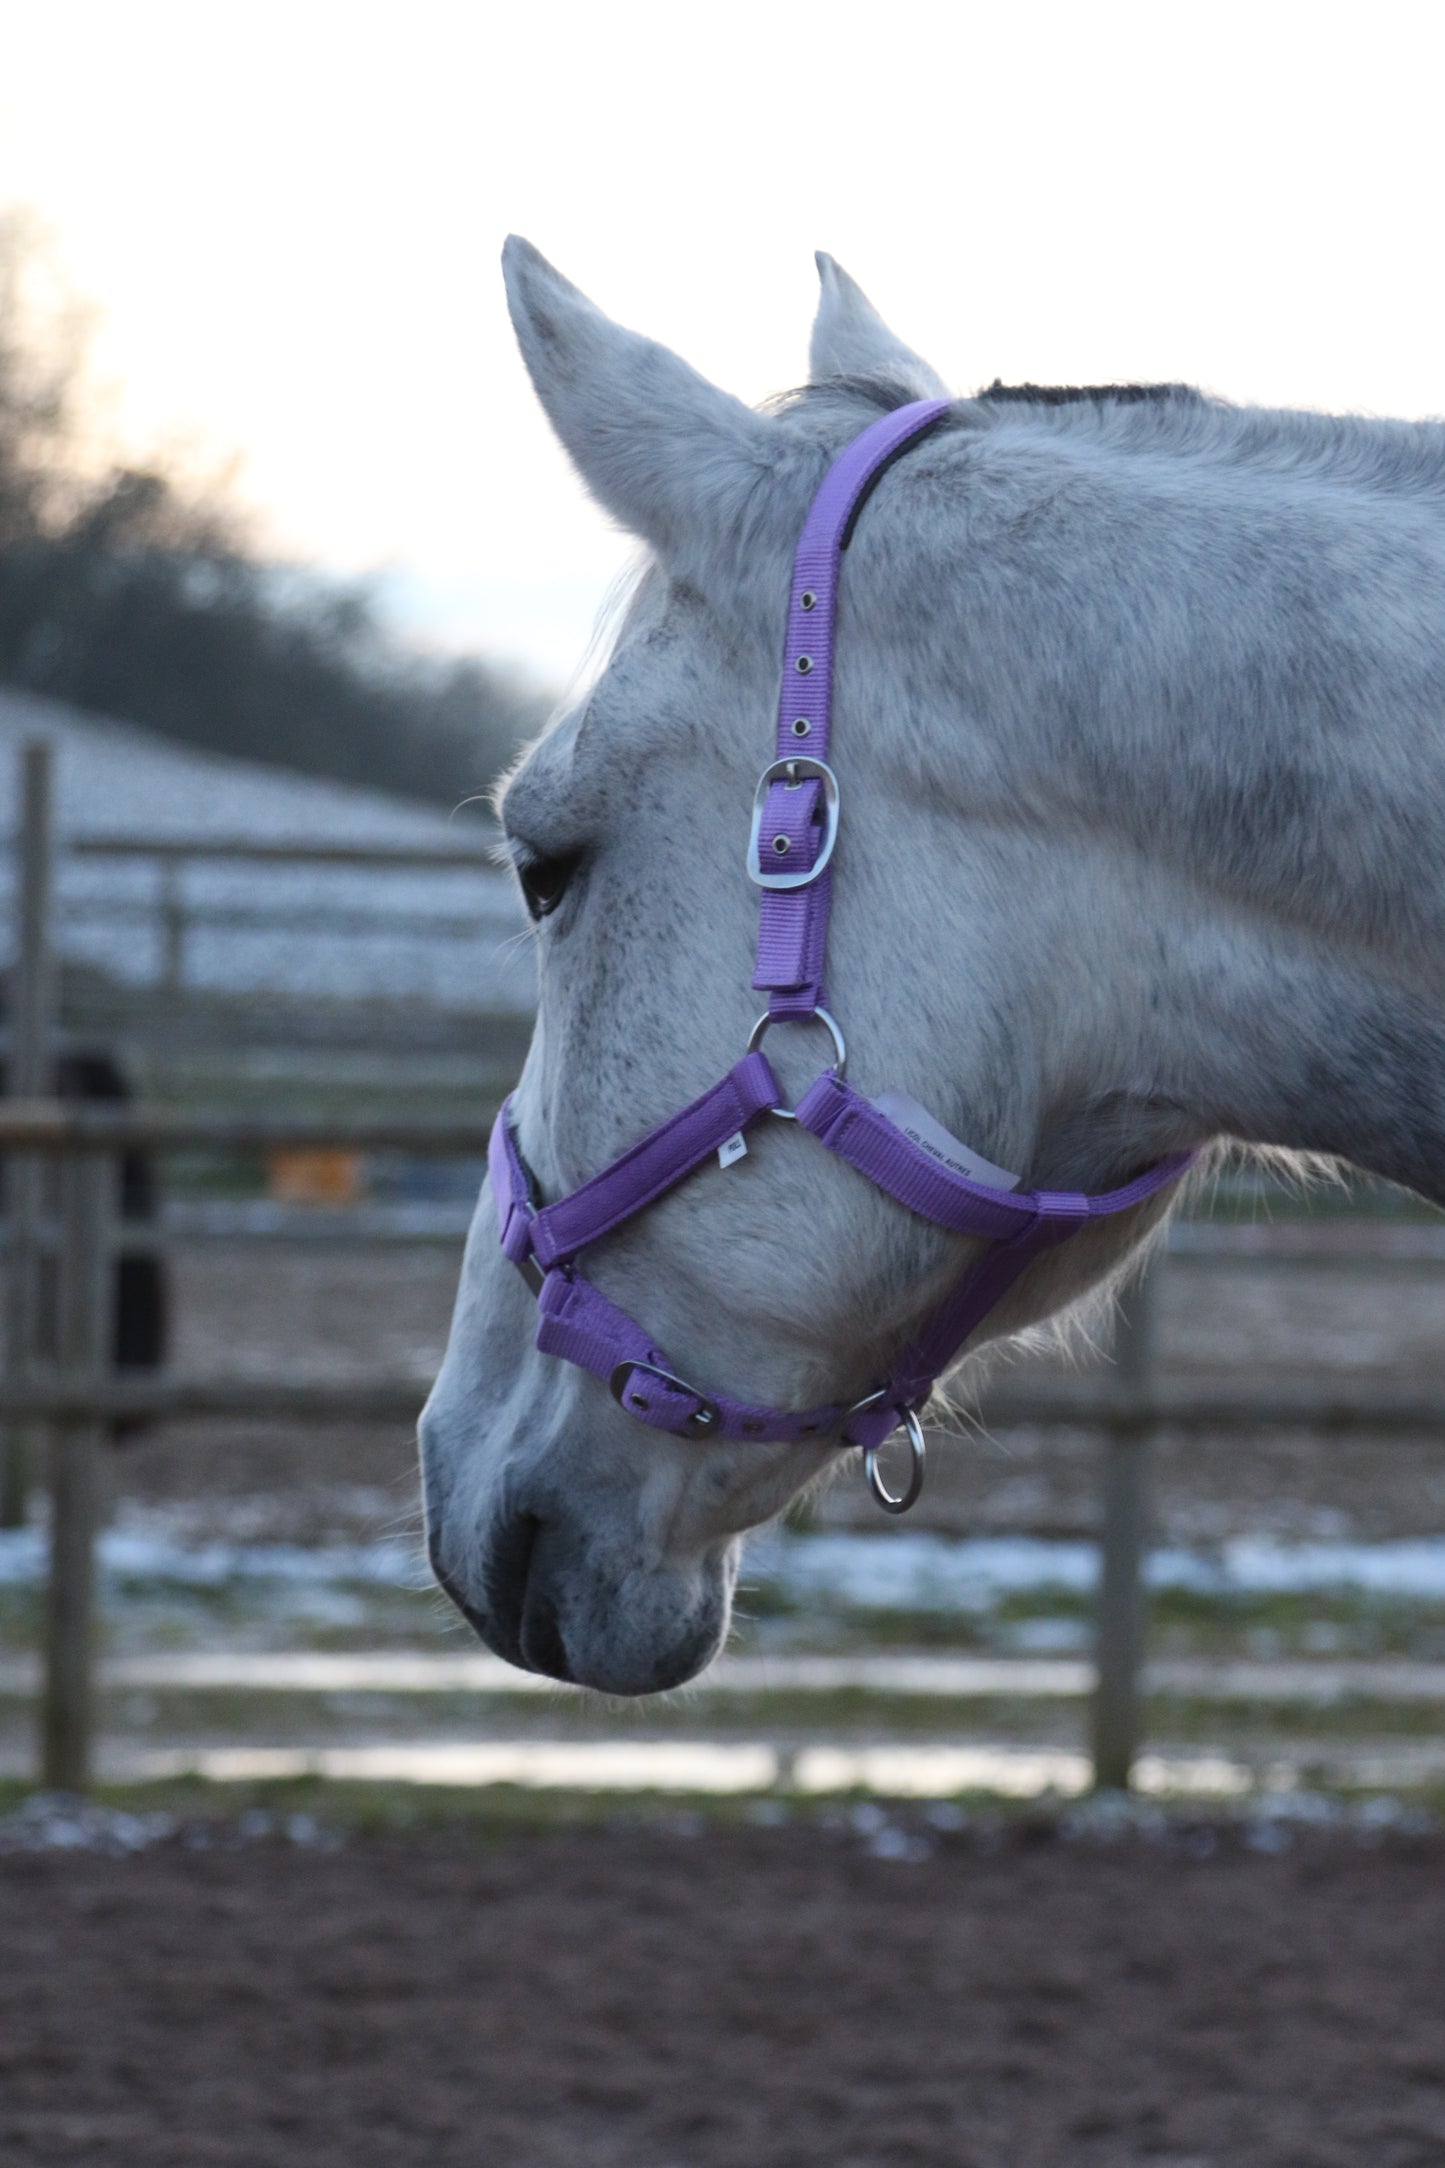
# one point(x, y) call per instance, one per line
point(116, 781)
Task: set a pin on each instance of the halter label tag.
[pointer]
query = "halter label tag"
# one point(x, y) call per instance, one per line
point(920, 1128)
point(736, 1148)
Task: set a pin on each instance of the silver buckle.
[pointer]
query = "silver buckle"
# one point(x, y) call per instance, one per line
point(702, 1419)
point(797, 768)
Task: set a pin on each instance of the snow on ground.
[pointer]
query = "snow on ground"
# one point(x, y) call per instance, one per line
point(117, 781)
point(922, 1572)
point(895, 1572)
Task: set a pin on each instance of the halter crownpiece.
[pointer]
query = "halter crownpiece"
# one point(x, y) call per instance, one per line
point(790, 851)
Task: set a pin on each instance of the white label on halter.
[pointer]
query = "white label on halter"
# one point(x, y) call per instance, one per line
point(930, 1136)
point(736, 1148)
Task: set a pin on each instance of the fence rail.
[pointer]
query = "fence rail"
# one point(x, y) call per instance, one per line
point(175, 906)
point(243, 850)
point(61, 1126)
point(77, 1398)
point(71, 1399)
point(384, 1396)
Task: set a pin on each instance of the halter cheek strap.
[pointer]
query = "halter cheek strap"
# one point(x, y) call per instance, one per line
point(790, 851)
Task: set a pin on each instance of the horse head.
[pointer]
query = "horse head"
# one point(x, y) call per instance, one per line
point(989, 956)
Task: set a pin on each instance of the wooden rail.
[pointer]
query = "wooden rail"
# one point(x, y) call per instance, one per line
point(79, 1396)
point(65, 1126)
point(384, 1396)
point(73, 1399)
point(175, 912)
point(247, 850)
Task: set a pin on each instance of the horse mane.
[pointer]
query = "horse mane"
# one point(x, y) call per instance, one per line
point(1056, 395)
point(1361, 451)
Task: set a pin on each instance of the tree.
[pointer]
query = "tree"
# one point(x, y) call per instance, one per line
point(124, 592)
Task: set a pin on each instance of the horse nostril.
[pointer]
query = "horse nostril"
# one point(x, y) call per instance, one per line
point(504, 1577)
point(543, 1648)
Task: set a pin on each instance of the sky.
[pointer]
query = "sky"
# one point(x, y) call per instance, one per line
point(288, 219)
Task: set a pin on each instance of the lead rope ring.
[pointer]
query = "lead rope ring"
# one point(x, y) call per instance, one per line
point(898, 1502)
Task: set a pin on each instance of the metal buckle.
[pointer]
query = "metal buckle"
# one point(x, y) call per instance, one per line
point(797, 768)
point(705, 1414)
point(531, 1270)
point(840, 1067)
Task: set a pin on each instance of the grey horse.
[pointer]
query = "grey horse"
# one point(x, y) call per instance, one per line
point(1141, 711)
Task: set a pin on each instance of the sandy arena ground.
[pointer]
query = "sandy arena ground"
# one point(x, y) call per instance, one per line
point(779, 1998)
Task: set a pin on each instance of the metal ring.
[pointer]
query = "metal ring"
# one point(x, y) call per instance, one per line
point(816, 1016)
point(909, 1495)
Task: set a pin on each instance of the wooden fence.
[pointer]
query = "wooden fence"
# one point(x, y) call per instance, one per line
point(176, 913)
point(74, 1395)
point(71, 1394)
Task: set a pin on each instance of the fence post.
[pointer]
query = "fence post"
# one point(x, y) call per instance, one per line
point(88, 1188)
point(28, 1076)
point(173, 926)
point(1121, 1612)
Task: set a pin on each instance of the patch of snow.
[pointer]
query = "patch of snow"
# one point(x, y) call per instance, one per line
point(60, 1822)
point(919, 1573)
point(923, 1572)
point(125, 1558)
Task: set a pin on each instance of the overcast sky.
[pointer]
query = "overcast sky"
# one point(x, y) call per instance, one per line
point(289, 217)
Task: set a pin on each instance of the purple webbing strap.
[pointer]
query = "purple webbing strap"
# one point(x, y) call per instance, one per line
point(793, 928)
point(655, 1164)
point(575, 1320)
point(850, 1125)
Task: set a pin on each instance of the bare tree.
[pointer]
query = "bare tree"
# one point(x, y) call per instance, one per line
point(126, 589)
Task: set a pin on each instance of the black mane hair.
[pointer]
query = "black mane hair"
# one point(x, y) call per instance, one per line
point(1076, 394)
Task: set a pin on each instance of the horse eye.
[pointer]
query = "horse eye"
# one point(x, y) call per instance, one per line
point(545, 882)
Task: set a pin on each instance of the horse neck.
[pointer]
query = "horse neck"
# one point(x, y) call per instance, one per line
point(1236, 679)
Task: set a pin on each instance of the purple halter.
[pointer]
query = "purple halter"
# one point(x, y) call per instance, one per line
point(795, 826)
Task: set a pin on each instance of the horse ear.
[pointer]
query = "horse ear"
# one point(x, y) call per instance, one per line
point(666, 453)
point(850, 338)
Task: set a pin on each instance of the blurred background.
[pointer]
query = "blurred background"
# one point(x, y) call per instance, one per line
point(290, 568)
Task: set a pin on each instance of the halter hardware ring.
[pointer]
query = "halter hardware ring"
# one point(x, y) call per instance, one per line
point(900, 1501)
point(816, 1016)
point(702, 1418)
point(796, 768)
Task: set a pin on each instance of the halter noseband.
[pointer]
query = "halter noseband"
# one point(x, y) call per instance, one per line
point(794, 829)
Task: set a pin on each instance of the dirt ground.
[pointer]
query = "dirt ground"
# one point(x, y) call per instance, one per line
point(645, 1998)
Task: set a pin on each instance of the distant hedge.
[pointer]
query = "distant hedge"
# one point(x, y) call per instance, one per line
point(123, 592)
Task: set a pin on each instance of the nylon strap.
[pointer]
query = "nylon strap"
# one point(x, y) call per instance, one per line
point(793, 924)
point(575, 1320)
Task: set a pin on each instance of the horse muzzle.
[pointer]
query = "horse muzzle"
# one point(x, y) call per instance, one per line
point(541, 1597)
